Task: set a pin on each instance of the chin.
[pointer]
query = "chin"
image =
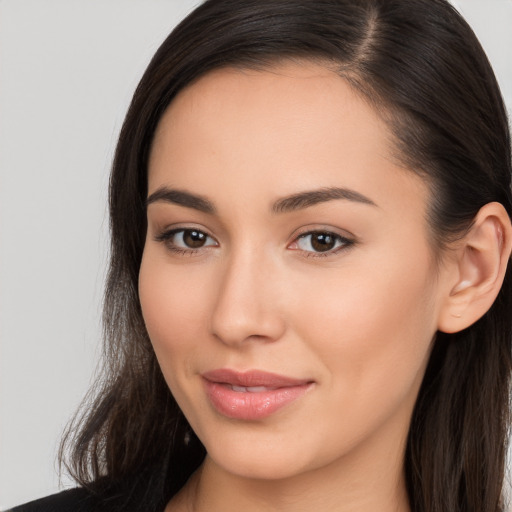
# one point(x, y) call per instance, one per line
point(265, 467)
point(268, 457)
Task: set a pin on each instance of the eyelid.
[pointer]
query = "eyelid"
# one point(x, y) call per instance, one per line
point(161, 229)
point(322, 228)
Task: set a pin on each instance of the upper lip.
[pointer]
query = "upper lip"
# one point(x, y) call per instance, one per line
point(252, 378)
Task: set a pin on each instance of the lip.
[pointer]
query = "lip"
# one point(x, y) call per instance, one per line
point(264, 394)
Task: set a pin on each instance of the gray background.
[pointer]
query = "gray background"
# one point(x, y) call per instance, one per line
point(67, 72)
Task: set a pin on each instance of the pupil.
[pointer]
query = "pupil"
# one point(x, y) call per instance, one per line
point(194, 239)
point(322, 242)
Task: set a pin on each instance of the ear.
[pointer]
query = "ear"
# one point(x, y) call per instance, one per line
point(481, 259)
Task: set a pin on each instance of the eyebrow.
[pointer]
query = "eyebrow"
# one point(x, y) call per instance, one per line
point(181, 198)
point(312, 197)
point(286, 204)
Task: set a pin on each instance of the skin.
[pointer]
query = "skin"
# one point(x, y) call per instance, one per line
point(358, 321)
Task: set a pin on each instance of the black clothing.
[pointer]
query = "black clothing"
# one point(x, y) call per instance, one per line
point(72, 500)
point(83, 500)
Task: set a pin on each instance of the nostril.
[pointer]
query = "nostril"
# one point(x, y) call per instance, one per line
point(262, 327)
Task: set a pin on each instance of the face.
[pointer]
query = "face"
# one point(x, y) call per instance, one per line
point(287, 282)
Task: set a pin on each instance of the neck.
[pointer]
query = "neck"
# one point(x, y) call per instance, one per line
point(318, 491)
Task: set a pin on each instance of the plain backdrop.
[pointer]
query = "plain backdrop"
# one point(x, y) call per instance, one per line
point(67, 72)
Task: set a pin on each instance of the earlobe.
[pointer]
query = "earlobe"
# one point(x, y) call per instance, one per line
point(481, 261)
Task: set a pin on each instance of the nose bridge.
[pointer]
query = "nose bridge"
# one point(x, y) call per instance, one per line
point(245, 306)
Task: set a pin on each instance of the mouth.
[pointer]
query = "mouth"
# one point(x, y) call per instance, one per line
point(250, 389)
point(252, 395)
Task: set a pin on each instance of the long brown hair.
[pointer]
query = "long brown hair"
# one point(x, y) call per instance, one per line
point(420, 64)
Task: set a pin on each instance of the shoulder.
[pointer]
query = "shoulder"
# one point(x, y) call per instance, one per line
point(104, 497)
point(72, 500)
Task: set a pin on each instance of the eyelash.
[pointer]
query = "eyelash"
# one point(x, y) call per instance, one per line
point(343, 242)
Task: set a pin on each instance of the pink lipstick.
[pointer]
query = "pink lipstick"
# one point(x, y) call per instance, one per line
point(251, 395)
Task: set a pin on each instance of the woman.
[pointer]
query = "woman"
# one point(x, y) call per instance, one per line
point(308, 300)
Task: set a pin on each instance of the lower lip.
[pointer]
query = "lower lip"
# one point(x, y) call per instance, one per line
point(251, 406)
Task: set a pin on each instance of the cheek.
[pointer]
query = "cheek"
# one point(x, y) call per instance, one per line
point(173, 312)
point(372, 325)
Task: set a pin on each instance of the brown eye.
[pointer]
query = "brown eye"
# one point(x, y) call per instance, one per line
point(194, 239)
point(186, 240)
point(321, 242)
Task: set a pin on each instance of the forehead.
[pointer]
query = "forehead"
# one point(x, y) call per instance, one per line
point(294, 90)
point(290, 127)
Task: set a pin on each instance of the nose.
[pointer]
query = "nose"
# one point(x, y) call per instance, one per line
point(247, 306)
